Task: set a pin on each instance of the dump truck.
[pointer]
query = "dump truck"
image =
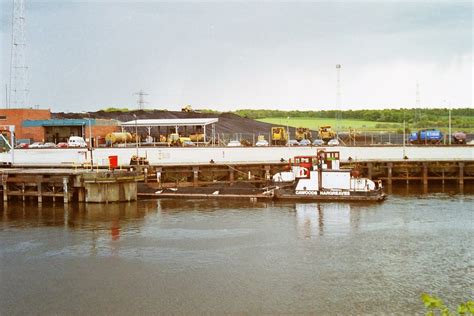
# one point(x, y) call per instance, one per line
point(279, 135)
point(303, 133)
point(326, 133)
point(459, 138)
point(426, 136)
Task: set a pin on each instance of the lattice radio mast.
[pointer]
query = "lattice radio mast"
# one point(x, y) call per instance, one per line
point(338, 97)
point(141, 100)
point(18, 68)
point(418, 103)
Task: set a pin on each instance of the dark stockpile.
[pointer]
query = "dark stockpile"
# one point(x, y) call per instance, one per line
point(228, 122)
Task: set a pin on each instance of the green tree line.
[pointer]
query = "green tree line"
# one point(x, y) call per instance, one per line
point(461, 117)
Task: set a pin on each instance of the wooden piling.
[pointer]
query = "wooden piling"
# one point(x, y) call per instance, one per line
point(461, 173)
point(195, 176)
point(66, 190)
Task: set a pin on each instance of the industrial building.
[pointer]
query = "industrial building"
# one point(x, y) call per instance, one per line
point(35, 125)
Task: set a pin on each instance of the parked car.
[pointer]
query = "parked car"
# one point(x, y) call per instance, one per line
point(48, 145)
point(76, 141)
point(36, 145)
point(293, 142)
point(305, 142)
point(333, 142)
point(234, 143)
point(261, 143)
point(188, 143)
point(22, 146)
point(62, 145)
point(318, 142)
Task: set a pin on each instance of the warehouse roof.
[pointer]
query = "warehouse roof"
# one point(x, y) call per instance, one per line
point(171, 122)
point(68, 122)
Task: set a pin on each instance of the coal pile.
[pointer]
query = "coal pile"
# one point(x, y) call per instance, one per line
point(228, 123)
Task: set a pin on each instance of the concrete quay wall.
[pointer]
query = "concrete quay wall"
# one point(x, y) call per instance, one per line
point(225, 155)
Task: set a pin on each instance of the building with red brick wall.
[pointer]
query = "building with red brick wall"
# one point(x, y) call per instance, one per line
point(17, 116)
point(59, 130)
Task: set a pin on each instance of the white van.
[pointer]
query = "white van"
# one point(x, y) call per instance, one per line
point(76, 141)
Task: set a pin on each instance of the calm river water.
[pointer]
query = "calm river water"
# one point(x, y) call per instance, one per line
point(192, 256)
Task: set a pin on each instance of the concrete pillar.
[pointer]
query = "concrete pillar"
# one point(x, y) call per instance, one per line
point(81, 194)
point(461, 173)
point(425, 174)
point(389, 173)
point(195, 176)
point(66, 190)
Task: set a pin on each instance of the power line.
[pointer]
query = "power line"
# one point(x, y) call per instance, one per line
point(141, 100)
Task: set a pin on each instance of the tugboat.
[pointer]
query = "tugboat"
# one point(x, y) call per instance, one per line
point(320, 178)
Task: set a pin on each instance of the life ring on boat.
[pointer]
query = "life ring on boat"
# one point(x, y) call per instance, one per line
point(303, 172)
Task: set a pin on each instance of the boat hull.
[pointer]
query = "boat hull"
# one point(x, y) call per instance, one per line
point(374, 196)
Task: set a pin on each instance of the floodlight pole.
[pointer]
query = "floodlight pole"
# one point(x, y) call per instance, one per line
point(136, 134)
point(449, 136)
point(90, 138)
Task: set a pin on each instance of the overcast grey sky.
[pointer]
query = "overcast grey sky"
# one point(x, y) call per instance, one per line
point(226, 55)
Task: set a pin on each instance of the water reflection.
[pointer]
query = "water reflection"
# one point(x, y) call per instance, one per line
point(318, 219)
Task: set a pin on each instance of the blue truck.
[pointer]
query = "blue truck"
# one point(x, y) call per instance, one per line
point(426, 136)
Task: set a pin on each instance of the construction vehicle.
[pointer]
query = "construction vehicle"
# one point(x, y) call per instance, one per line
point(303, 133)
point(459, 138)
point(426, 136)
point(326, 133)
point(187, 108)
point(118, 138)
point(279, 135)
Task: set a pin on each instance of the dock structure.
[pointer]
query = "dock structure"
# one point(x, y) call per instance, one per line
point(80, 185)
point(390, 172)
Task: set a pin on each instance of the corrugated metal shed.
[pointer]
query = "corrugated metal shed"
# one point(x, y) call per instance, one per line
point(171, 122)
point(56, 122)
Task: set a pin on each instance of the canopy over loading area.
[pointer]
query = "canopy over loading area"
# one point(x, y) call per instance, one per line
point(159, 129)
point(59, 130)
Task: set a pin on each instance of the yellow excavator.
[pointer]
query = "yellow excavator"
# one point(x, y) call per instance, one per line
point(302, 133)
point(326, 133)
point(187, 108)
point(279, 136)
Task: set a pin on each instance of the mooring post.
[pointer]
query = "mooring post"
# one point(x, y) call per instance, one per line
point(461, 173)
point(195, 176)
point(389, 172)
point(65, 190)
point(425, 174)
